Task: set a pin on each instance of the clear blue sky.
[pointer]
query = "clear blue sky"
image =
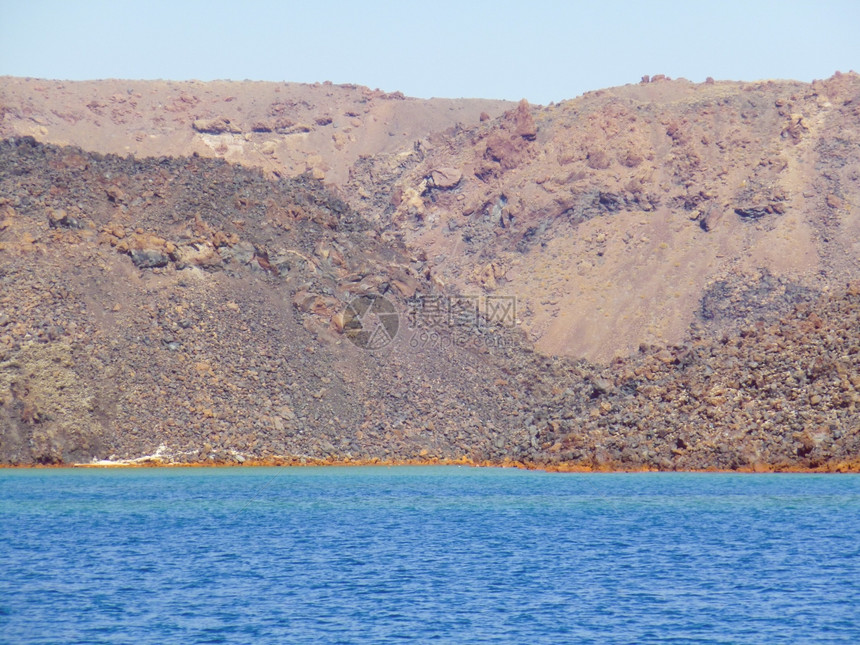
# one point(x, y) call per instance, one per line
point(541, 50)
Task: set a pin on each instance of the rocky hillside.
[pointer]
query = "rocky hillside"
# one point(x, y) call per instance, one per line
point(708, 185)
point(196, 305)
point(612, 216)
point(195, 310)
point(656, 276)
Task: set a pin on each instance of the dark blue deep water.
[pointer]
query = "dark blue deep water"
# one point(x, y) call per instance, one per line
point(439, 555)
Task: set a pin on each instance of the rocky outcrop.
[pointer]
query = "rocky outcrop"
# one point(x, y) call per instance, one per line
point(698, 182)
point(204, 317)
point(659, 276)
point(778, 394)
point(218, 125)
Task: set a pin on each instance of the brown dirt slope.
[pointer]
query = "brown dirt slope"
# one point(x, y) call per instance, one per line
point(617, 218)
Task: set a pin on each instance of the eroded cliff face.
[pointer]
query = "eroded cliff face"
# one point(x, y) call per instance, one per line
point(683, 261)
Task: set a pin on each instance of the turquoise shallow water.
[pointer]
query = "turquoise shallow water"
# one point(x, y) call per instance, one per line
point(440, 555)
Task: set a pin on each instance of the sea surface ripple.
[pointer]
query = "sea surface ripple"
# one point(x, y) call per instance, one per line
point(436, 554)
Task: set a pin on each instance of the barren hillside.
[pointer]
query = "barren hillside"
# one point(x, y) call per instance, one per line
point(195, 305)
point(288, 128)
point(673, 273)
point(614, 217)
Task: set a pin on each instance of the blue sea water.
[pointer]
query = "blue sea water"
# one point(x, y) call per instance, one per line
point(436, 555)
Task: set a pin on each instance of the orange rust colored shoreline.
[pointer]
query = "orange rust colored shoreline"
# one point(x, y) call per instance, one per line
point(851, 466)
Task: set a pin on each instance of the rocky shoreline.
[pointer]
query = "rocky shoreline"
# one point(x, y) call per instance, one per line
point(835, 467)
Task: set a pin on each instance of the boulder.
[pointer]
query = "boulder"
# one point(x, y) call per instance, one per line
point(709, 220)
point(149, 258)
point(597, 160)
point(242, 252)
point(751, 212)
point(445, 178)
point(59, 218)
point(198, 254)
point(834, 202)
